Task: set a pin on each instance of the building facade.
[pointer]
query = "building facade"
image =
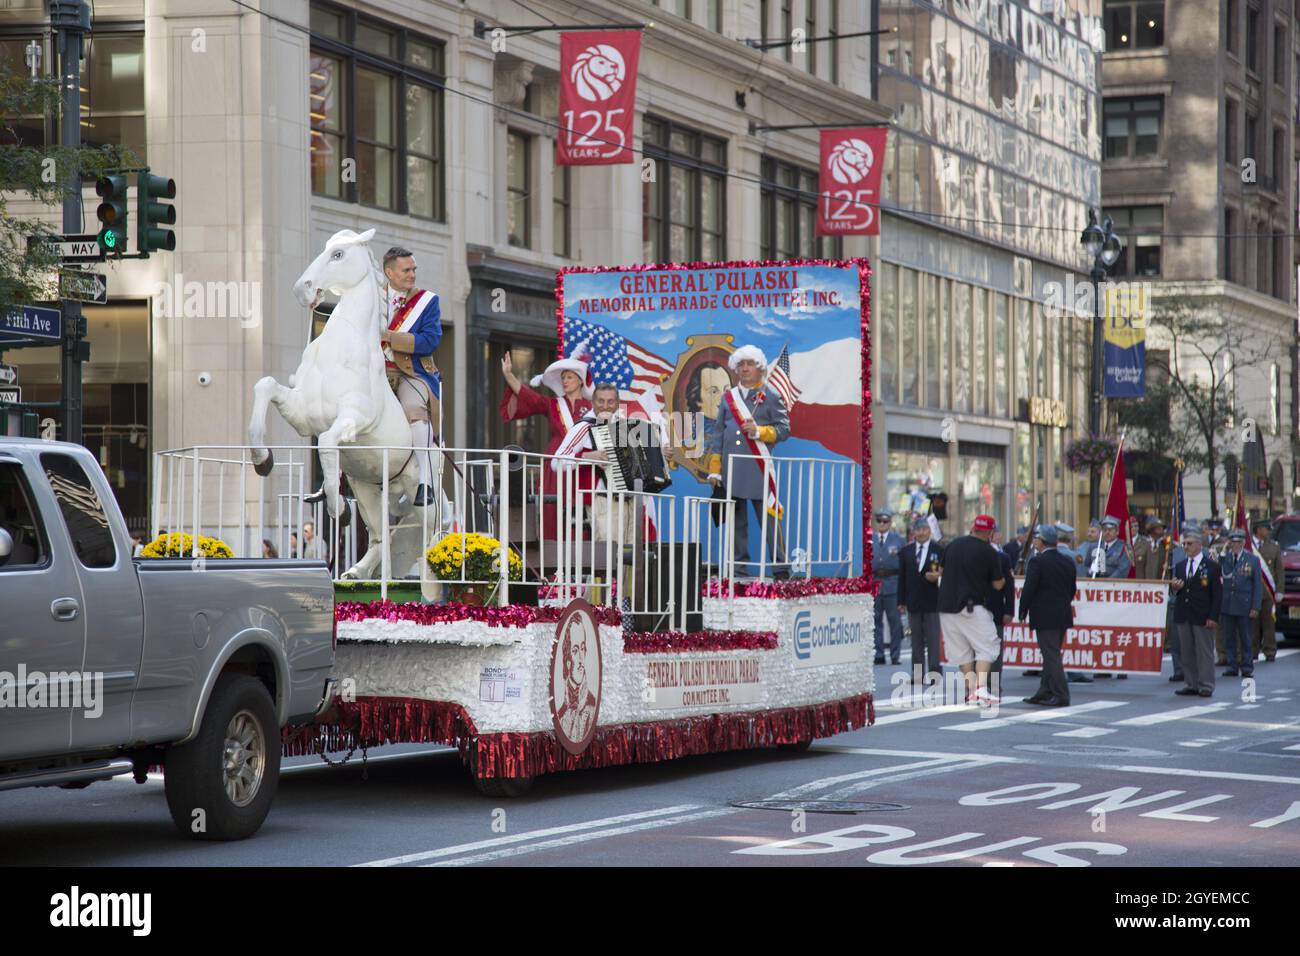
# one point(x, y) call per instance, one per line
point(284, 122)
point(995, 161)
point(1199, 175)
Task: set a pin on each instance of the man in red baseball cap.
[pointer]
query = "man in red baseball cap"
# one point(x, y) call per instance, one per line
point(971, 573)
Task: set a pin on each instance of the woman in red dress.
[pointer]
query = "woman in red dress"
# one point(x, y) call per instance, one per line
point(567, 378)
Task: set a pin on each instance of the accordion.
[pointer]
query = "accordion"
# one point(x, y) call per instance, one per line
point(635, 454)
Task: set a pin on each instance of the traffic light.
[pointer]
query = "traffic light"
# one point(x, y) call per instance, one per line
point(111, 188)
point(153, 214)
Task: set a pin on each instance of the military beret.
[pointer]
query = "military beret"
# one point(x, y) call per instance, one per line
point(1109, 522)
point(884, 514)
point(1237, 534)
point(1192, 534)
point(1094, 523)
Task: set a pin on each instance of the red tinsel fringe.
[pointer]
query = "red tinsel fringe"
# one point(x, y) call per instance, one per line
point(372, 721)
point(668, 641)
point(793, 588)
point(512, 615)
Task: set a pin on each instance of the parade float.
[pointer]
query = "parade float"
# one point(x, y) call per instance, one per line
point(501, 618)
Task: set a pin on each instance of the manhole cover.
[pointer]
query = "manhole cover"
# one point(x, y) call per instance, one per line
point(819, 806)
point(1093, 750)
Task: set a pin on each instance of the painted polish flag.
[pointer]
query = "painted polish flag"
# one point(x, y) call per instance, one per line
point(828, 403)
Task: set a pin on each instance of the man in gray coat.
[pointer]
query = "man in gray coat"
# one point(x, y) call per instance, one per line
point(1242, 589)
point(749, 414)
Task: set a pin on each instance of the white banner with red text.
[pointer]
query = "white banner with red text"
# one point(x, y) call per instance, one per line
point(1119, 628)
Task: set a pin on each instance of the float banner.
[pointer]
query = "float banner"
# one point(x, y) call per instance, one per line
point(597, 97)
point(1119, 628)
point(1126, 342)
point(849, 182)
point(663, 334)
point(680, 682)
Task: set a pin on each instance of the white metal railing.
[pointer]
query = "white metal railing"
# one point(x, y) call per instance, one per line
point(817, 532)
point(649, 554)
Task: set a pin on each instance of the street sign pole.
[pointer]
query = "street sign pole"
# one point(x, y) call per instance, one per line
point(70, 19)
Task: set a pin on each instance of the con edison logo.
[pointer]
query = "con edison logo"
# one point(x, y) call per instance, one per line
point(829, 635)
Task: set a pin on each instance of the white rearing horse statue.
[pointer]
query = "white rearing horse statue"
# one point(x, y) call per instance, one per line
point(341, 395)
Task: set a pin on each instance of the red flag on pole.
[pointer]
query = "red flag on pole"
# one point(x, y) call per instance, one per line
point(597, 97)
point(1239, 521)
point(852, 161)
point(1117, 506)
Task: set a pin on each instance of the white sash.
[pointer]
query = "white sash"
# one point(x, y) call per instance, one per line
point(409, 315)
point(736, 402)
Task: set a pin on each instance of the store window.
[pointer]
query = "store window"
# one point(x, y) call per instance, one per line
point(980, 357)
point(561, 210)
point(376, 107)
point(1024, 502)
point(931, 364)
point(982, 479)
point(683, 218)
point(909, 335)
point(917, 468)
point(1023, 351)
point(961, 320)
point(1001, 344)
point(887, 316)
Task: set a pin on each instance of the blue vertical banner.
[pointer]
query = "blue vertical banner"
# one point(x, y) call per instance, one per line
point(1125, 357)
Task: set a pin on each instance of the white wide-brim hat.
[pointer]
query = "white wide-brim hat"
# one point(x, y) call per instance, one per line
point(751, 352)
point(551, 377)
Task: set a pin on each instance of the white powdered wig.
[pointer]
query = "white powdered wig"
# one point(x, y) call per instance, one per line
point(751, 352)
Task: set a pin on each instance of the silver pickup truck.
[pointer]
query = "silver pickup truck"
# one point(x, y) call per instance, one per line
point(110, 665)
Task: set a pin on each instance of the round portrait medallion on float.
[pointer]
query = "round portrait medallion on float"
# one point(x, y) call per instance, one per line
point(575, 677)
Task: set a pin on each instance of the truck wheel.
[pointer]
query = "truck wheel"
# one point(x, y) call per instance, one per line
point(798, 747)
point(503, 786)
point(231, 769)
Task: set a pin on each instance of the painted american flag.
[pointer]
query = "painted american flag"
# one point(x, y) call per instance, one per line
point(618, 361)
point(779, 378)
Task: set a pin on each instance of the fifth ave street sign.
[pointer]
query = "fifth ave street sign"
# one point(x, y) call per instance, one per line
point(83, 287)
point(32, 321)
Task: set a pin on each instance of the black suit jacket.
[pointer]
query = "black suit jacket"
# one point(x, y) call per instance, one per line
point(1012, 548)
point(1196, 603)
point(1046, 598)
point(1003, 603)
point(914, 591)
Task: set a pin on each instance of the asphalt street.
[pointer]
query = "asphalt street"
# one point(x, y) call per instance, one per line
point(1129, 775)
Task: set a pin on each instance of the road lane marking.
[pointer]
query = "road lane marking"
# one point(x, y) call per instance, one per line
point(920, 712)
point(813, 786)
point(873, 752)
point(1165, 716)
point(1037, 716)
point(1216, 774)
point(527, 835)
point(1086, 732)
point(852, 790)
point(573, 839)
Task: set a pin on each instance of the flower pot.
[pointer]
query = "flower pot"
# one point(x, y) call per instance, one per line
point(470, 594)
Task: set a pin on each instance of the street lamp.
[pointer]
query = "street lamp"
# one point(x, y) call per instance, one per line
point(1103, 247)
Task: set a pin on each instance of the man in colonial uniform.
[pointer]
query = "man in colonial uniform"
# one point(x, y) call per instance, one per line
point(751, 419)
point(412, 329)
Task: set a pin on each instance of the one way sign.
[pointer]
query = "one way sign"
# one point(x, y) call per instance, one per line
point(83, 287)
point(70, 248)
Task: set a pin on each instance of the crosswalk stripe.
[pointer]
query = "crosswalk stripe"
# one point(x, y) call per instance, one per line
point(1037, 716)
point(1165, 716)
point(920, 712)
point(1086, 732)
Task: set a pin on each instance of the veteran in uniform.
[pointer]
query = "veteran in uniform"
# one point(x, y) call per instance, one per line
point(1242, 585)
point(1149, 550)
point(1114, 562)
point(1198, 594)
point(1270, 555)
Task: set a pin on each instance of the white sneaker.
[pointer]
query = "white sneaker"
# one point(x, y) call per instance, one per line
point(984, 698)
